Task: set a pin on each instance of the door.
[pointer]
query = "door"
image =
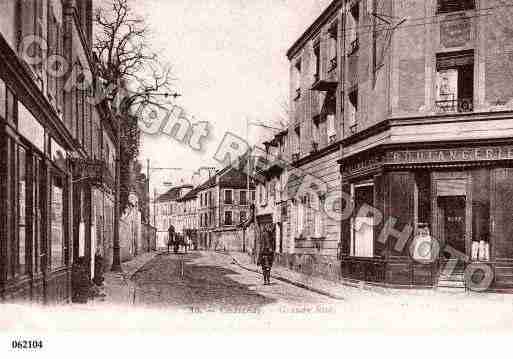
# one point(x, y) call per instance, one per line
point(453, 210)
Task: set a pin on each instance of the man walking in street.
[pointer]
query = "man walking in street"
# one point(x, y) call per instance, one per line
point(265, 260)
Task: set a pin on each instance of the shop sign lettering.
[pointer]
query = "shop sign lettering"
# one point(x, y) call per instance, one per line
point(452, 155)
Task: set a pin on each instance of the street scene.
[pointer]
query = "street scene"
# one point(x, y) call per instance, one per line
point(345, 161)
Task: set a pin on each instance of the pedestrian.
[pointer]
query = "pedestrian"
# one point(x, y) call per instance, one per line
point(171, 236)
point(265, 260)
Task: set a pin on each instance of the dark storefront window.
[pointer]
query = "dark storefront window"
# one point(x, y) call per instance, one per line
point(423, 181)
point(57, 223)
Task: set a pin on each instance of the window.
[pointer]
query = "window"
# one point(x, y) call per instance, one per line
point(353, 110)
point(57, 223)
point(297, 79)
point(228, 196)
point(12, 107)
point(316, 134)
point(362, 233)
point(297, 144)
point(253, 196)
point(242, 216)
point(318, 224)
point(21, 248)
point(332, 132)
point(354, 20)
point(317, 61)
point(333, 45)
point(243, 198)
point(455, 82)
point(228, 218)
point(301, 217)
point(455, 5)
point(3, 100)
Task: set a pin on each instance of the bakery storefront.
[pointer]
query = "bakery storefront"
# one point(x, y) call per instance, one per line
point(429, 216)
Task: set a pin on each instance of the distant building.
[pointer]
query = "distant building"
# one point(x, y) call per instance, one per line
point(223, 203)
point(166, 212)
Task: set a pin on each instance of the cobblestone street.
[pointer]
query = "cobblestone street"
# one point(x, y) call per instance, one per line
point(211, 281)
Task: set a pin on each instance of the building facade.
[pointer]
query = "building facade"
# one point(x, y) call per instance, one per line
point(51, 142)
point(167, 212)
point(311, 145)
point(223, 203)
point(427, 152)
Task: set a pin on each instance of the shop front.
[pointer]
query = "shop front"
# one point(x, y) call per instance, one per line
point(35, 193)
point(429, 216)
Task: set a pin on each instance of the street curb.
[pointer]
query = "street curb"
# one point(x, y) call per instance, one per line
point(289, 281)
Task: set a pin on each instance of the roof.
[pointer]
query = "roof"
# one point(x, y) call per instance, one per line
point(190, 195)
point(313, 29)
point(173, 194)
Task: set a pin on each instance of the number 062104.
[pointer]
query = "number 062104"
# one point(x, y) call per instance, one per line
point(27, 344)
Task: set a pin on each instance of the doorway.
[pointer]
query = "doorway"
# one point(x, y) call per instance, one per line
point(452, 210)
point(453, 213)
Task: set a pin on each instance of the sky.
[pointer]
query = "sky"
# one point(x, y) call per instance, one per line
point(229, 58)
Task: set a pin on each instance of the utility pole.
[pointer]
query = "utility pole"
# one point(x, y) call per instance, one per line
point(116, 260)
point(148, 188)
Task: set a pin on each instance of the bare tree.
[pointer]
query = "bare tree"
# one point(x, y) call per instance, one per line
point(132, 73)
point(132, 76)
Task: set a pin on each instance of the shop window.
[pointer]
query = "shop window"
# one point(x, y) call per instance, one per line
point(445, 6)
point(57, 237)
point(21, 247)
point(318, 225)
point(480, 213)
point(228, 218)
point(455, 82)
point(228, 197)
point(362, 233)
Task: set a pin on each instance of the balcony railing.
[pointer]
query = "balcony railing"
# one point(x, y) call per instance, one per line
point(457, 105)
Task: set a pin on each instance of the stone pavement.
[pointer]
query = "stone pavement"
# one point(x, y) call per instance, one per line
point(335, 290)
point(117, 286)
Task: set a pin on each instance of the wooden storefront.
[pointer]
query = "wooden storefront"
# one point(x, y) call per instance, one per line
point(35, 190)
point(463, 194)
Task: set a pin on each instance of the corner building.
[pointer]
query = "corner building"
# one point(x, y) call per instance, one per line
point(427, 141)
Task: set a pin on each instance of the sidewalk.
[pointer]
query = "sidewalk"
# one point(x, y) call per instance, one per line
point(117, 286)
point(331, 289)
